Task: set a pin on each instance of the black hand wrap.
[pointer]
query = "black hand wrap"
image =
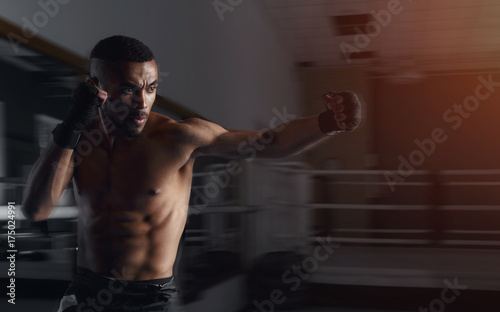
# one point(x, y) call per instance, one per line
point(82, 110)
point(65, 137)
point(352, 110)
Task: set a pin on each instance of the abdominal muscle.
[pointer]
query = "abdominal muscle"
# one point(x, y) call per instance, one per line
point(131, 245)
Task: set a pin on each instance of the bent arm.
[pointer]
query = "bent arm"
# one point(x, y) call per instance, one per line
point(47, 180)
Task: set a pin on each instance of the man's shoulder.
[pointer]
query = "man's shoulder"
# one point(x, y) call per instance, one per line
point(163, 119)
point(161, 125)
point(186, 128)
point(158, 122)
point(159, 118)
point(194, 124)
point(198, 123)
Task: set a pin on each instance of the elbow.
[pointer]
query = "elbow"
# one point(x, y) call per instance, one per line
point(35, 211)
point(33, 215)
point(37, 217)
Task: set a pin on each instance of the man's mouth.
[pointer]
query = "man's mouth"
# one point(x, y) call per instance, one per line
point(139, 119)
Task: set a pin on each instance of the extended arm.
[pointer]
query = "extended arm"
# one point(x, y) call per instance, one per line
point(285, 140)
point(282, 141)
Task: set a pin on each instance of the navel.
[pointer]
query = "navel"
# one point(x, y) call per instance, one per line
point(154, 192)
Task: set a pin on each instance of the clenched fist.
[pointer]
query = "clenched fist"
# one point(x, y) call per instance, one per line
point(343, 114)
point(86, 98)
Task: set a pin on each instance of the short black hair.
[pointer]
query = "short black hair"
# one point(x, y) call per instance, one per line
point(119, 48)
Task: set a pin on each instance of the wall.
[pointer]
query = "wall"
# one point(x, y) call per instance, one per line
point(447, 121)
point(462, 108)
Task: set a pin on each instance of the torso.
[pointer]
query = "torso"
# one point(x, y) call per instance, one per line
point(133, 202)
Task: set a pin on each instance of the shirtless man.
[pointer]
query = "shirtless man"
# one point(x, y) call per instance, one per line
point(132, 171)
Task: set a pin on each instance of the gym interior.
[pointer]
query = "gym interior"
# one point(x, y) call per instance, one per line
point(401, 214)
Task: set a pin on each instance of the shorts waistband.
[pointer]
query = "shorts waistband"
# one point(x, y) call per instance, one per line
point(93, 277)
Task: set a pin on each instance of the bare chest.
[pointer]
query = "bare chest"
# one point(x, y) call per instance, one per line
point(133, 176)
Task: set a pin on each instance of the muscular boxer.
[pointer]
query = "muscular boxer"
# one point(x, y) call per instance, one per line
point(132, 171)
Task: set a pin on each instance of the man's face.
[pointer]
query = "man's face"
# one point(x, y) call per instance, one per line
point(131, 89)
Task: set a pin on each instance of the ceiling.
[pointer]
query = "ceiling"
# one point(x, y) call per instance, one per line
point(428, 34)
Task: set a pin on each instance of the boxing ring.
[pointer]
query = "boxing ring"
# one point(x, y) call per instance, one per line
point(383, 237)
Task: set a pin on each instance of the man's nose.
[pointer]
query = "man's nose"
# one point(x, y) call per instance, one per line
point(140, 100)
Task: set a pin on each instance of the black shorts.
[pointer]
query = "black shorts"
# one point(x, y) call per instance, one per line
point(92, 292)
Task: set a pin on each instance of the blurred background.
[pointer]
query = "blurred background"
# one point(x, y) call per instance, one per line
point(401, 215)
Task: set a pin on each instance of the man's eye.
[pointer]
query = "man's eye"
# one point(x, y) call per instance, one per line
point(128, 90)
point(152, 89)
